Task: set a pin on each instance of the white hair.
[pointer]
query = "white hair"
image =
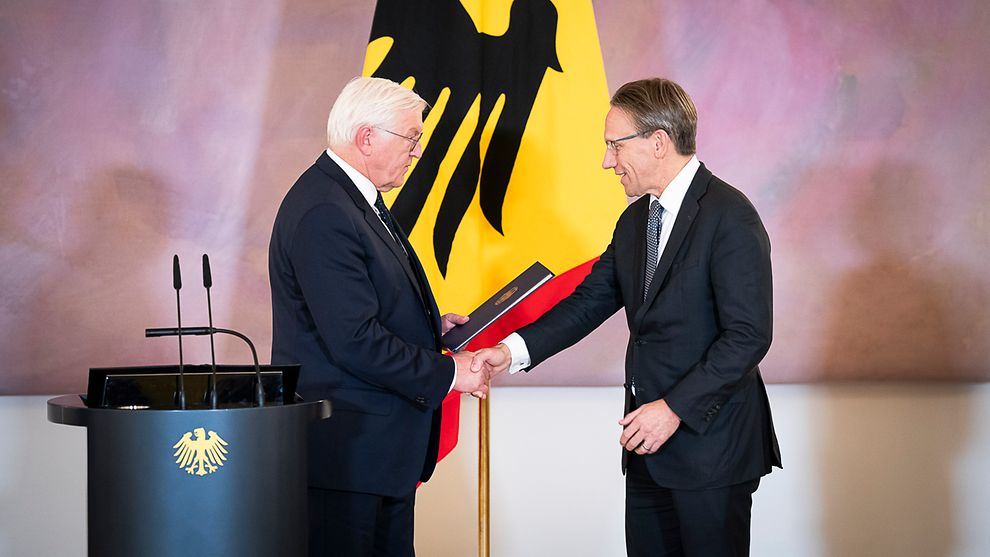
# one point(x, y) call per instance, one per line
point(370, 101)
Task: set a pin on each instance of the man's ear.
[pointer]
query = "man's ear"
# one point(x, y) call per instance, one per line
point(664, 144)
point(362, 139)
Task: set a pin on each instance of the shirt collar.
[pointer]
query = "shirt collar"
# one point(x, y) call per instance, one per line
point(364, 185)
point(673, 195)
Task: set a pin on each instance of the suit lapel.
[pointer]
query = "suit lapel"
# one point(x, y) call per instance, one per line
point(685, 220)
point(371, 217)
point(426, 294)
point(410, 264)
point(379, 227)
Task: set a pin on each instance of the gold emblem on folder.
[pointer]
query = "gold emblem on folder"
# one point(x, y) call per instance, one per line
point(201, 456)
point(508, 294)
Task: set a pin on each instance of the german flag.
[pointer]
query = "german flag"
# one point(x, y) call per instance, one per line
point(512, 147)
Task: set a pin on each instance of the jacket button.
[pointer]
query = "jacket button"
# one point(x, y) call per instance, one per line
point(420, 400)
point(639, 342)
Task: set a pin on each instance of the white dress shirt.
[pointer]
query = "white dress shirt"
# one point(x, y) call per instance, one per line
point(368, 190)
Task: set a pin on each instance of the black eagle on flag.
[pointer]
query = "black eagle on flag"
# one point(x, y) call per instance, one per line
point(437, 43)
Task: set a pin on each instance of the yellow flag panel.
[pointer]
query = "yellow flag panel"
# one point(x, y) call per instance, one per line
point(511, 171)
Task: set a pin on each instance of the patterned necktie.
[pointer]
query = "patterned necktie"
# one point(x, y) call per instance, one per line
point(387, 219)
point(424, 287)
point(652, 244)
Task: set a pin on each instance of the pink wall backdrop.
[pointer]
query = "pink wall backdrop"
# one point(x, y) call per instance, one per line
point(130, 131)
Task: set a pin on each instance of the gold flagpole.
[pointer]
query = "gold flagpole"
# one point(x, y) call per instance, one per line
point(484, 534)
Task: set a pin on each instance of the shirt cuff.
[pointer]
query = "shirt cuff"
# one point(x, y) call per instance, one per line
point(519, 352)
point(454, 380)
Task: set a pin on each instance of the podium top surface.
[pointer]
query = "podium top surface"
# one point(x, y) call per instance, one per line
point(71, 410)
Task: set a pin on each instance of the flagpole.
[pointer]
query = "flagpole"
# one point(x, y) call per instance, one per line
point(484, 522)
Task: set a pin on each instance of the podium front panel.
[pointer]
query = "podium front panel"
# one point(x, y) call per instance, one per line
point(197, 482)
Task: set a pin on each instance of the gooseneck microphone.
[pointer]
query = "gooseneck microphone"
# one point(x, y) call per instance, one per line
point(171, 332)
point(207, 283)
point(177, 284)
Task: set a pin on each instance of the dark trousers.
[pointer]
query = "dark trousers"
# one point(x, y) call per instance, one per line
point(348, 524)
point(663, 522)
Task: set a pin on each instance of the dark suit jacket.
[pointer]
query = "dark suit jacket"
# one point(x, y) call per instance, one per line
point(359, 316)
point(697, 339)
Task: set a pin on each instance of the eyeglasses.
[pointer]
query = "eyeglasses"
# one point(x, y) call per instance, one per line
point(613, 144)
point(413, 141)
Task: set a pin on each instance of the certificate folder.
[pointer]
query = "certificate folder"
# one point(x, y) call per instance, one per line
point(496, 306)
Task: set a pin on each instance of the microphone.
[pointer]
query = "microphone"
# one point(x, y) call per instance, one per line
point(207, 283)
point(177, 284)
point(171, 332)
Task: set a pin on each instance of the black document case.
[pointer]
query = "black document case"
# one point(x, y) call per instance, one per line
point(496, 306)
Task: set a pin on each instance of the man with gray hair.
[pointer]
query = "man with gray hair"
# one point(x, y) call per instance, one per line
point(689, 262)
point(351, 303)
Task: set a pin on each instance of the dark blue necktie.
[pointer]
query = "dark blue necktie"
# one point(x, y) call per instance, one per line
point(387, 219)
point(652, 257)
point(424, 286)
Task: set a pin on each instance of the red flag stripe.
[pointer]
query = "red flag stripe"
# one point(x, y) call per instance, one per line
point(449, 423)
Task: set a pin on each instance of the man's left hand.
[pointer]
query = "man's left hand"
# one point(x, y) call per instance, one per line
point(448, 321)
point(648, 427)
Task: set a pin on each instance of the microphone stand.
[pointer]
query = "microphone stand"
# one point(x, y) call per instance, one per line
point(207, 283)
point(177, 284)
point(260, 390)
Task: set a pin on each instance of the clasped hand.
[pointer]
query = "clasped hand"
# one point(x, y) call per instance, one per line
point(486, 363)
point(476, 369)
point(466, 380)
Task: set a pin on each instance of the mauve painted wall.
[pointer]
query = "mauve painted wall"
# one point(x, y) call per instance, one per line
point(130, 131)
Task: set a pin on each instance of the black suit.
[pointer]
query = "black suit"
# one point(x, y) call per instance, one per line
point(357, 313)
point(696, 340)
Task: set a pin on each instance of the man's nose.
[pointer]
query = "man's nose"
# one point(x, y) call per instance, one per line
point(609, 160)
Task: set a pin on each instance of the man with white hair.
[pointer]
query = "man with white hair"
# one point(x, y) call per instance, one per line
point(351, 303)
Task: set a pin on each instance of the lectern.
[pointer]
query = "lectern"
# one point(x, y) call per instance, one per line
point(199, 481)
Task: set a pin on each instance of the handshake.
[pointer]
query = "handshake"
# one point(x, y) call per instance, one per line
point(475, 369)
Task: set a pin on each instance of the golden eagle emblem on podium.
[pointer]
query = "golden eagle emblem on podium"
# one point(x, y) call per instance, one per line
point(201, 456)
